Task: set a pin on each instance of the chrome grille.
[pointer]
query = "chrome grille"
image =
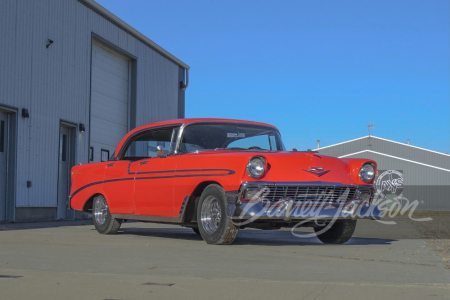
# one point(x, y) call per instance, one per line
point(335, 194)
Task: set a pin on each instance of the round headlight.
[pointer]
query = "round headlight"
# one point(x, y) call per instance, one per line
point(367, 172)
point(256, 166)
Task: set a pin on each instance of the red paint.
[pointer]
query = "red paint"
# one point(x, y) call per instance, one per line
point(157, 186)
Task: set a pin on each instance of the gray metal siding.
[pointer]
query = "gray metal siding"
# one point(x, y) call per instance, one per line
point(395, 149)
point(431, 186)
point(157, 87)
point(413, 174)
point(427, 185)
point(54, 84)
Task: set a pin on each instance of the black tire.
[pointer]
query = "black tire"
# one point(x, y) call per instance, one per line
point(103, 221)
point(339, 232)
point(196, 230)
point(219, 230)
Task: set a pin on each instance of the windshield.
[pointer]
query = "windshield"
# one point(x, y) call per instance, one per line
point(230, 136)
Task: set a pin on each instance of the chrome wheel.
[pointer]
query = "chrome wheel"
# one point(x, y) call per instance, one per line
point(210, 214)
point(100, 211)
point(213, 223)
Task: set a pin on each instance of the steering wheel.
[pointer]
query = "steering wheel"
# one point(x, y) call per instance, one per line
point(255, 148)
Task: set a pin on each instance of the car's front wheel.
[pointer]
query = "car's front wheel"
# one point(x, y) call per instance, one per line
point(338, 232)
point(103, 221)
point(215, 226)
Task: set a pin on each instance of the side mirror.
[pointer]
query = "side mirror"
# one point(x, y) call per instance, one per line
point(294, 149)
point(160, 151)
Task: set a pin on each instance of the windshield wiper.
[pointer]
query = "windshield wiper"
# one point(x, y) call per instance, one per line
point(232, 148)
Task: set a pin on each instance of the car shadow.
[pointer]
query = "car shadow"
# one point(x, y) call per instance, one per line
point(250, 237)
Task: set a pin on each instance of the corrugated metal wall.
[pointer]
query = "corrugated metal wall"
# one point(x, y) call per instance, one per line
point(54, 83)
point(392, 148)
point(426, 174)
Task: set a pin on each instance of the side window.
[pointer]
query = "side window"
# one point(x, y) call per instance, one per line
point(144, 145)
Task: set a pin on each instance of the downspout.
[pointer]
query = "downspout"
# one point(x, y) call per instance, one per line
point(183, 86)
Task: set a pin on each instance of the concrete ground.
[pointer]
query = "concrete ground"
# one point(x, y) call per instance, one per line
point(69, 260)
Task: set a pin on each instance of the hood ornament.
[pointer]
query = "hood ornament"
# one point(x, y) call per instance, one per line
point(316, 171)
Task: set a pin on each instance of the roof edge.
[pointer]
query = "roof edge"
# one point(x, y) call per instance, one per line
point(367, 136)
point(122, 24)
point(340, 143)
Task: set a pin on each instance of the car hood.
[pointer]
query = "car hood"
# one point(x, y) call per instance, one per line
point(289, 166)
point(306, 166)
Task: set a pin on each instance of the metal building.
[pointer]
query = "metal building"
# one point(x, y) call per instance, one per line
point(406, 172)
point(74, 79)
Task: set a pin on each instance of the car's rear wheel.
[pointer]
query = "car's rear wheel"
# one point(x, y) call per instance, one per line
point(103, 221)
point(214, 225)
point(338, 232)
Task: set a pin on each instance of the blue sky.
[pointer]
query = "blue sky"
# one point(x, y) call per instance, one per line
point(315, 69)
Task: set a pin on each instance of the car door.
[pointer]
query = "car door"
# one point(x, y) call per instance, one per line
point(153, 174)
point(119, 187)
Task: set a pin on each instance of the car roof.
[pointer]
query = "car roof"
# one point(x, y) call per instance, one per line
point(181, 122)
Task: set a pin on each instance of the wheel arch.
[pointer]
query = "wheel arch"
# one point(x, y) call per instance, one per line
point(87, 208)
point(190, 213)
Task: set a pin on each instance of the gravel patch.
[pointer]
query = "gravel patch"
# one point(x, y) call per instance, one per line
point(436, 233)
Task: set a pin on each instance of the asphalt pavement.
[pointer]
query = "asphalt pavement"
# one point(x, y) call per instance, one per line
point(70, 260)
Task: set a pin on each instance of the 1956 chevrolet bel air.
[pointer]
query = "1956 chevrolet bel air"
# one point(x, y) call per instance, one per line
point(218, 176)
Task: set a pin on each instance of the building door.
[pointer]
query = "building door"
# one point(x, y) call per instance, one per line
point(109, 100)
point(4, 134)
point(66, 162)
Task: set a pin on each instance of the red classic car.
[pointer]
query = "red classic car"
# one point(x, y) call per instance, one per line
point(218, 176)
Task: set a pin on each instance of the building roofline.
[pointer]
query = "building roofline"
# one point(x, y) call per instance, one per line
point(396, 157)
point(406, 145)
point(122, 24)
point(317, 149)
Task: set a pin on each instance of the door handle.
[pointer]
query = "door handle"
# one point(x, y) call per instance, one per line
point(144, 162)
point(110, 165)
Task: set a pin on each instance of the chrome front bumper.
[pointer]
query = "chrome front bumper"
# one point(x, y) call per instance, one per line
point(287, 209)
point(290, 210)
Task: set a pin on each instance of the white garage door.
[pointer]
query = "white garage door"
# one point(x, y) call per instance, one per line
point(109, 100)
